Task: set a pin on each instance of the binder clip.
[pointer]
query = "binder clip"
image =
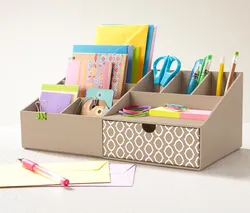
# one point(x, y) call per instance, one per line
point(41, 106)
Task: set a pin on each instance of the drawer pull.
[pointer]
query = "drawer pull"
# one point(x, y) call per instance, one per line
point(149, 128)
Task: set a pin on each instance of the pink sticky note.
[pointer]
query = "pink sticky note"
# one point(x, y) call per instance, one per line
point(194, 114)
point(72, 73)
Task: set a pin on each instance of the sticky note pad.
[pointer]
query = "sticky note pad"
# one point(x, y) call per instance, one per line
point(191, 114)
point(55, 102)
point(195, 114)
point(61, 88)
point(163, 112)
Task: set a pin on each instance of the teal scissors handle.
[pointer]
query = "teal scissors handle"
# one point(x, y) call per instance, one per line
point(168, 76)
point(158, 74)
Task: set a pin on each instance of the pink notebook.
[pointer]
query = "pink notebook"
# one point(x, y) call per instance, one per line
point(88, 74)
point(72, 73)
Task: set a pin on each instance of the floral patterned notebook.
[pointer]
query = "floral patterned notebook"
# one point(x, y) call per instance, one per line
point(97, 75)
point(119, 68)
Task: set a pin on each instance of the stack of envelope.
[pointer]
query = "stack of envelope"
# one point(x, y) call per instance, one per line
point(86, 173)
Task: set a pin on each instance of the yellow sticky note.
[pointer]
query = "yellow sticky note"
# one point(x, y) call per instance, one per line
point(127, 35)
point(163, 112)
point(77, 172)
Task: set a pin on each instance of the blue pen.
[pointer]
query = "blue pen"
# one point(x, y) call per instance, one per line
point(193, 81)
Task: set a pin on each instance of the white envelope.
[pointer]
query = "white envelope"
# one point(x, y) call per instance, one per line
point(121, 174)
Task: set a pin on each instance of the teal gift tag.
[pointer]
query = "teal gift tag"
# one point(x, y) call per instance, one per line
point(101, 94)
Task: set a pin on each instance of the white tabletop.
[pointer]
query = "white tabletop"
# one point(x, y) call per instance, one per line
point(222, 187)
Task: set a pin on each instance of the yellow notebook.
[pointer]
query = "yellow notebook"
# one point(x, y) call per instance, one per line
point(127, 35)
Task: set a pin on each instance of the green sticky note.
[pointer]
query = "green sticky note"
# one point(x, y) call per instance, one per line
point(60, 88)
point(135, 63)
point(41, 116)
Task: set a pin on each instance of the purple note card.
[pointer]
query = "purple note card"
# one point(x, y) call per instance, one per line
point(54, 102)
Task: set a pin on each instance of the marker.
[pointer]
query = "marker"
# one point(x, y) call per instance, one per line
point(220, 77)
point(194, 77)
point(206, 68)
point(230, 78)
point(34, 167)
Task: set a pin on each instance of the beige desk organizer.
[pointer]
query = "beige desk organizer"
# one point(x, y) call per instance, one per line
point(177, 143)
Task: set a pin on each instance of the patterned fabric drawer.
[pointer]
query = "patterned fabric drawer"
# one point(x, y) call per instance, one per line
point(170, 145)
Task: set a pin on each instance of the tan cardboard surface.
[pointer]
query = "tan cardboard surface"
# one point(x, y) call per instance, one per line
point(205, 87)
point(220, 135)
point(222, 132)
point(192, 101)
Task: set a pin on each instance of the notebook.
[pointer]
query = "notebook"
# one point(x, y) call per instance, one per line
point(87, 74)
point(72, 73)
point(120, 49)
point(125, 34)
point(119, 67)
point(152, 49)
point(98, 75)
point(149, 47)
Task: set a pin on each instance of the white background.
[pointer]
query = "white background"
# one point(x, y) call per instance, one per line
point(36, 38)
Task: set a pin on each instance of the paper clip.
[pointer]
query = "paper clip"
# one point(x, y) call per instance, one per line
point(41, 106)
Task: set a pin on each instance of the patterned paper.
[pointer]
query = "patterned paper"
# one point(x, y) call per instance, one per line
point(119, 68)
point(98, 75)
point(169, 145)
point(118, 71)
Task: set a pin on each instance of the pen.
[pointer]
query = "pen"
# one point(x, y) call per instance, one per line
point(34, 167)
point(220, 76)
point(206, 68)
point(201, 68)
point(231, 74)
point(194, 77)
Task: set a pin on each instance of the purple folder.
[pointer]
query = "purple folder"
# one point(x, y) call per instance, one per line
point(54, 102)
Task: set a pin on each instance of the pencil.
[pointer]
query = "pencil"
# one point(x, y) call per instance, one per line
point(220, 77)
point(230, 78)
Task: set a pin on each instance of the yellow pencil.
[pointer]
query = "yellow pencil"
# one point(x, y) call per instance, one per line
point(220, 77)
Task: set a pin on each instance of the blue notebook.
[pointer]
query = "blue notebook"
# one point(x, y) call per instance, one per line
point(148, 49)
point(119, 49)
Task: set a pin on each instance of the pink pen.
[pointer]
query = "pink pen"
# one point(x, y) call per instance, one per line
point(34, 167)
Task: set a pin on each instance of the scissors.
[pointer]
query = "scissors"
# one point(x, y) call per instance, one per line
point(164, 76)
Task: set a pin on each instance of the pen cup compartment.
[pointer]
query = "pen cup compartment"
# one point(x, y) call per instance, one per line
point(214, 78)
point(179, 85)
point(146, 84)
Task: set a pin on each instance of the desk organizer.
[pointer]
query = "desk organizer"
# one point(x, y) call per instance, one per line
point(169, 142)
